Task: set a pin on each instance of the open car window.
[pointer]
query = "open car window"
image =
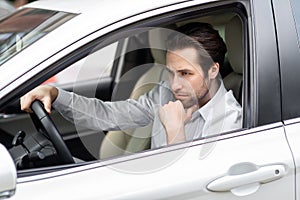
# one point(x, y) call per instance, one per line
point(126, 67)
point(97, 65)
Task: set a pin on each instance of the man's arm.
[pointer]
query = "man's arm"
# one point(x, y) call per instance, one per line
point(96, 114)
point(90, 112)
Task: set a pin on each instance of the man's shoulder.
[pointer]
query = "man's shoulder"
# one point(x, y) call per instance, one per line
point(159, 94)
point(231, 101)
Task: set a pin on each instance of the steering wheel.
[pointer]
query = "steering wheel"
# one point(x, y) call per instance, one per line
point(42, 120)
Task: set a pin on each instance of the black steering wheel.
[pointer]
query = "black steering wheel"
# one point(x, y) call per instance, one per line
point(42, 120)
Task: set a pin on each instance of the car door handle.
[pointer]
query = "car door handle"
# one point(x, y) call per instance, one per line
point(261, 175)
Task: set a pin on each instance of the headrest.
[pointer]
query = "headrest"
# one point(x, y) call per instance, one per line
point(157, 41)
point(234, 42)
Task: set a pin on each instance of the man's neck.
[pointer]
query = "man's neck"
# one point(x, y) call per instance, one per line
point(212, 90)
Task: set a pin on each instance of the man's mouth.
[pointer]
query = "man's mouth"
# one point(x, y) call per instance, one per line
point(181, 96)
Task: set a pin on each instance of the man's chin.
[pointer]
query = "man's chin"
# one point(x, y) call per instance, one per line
point(187, 104)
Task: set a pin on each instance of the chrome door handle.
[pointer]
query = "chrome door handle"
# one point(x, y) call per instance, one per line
point(261, 175)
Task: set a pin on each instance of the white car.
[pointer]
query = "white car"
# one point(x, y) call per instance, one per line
point(114, 50)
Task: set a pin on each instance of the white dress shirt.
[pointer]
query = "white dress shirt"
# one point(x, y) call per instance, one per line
point(222, 113)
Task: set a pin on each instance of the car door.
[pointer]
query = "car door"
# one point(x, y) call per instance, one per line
point(251, 164)
point(254, 164)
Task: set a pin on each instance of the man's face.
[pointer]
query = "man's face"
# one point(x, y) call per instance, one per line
point(188, 82)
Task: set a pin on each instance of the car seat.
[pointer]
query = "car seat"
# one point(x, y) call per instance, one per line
point(234, 41)
point(130, 141)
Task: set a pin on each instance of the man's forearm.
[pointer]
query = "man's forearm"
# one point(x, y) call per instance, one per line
point(98, 115)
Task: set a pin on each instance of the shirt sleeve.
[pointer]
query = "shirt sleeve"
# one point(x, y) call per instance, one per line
point(95, 114)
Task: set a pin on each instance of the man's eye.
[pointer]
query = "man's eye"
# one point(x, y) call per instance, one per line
point(184, 73)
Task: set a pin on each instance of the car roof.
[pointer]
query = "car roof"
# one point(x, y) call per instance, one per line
point(92, 15)
point(95, 6)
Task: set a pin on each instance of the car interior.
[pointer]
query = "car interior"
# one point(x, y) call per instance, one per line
point(123, 81)
point(118, 142)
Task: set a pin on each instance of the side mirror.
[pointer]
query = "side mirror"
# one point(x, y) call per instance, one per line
point(8, 174)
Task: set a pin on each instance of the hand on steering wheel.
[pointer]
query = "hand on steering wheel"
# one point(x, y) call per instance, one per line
point(42, 120)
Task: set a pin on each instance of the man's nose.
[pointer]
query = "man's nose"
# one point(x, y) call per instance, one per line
point(176, 83)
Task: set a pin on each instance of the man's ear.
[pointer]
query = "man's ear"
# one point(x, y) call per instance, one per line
point(213, 71)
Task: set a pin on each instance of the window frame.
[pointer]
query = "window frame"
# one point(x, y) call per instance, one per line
point(289, 58)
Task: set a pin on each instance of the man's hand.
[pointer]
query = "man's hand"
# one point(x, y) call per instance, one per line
point(173, 117)
point(46, 94)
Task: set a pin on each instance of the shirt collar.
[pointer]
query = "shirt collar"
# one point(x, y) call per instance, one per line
point(205, 109)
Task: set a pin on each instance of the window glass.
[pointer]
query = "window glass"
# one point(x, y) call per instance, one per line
point(296, 11)
point(94, 66)
point(25, 27)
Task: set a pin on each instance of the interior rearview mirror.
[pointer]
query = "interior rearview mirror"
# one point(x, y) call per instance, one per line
point(8, 174)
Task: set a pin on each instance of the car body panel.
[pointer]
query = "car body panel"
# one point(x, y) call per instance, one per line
point(142, 178)
point(265, 68)
point(289, 60)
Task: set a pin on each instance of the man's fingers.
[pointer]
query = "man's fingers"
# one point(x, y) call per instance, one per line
point(189, 112)
point(162, 114)
point(26, 103)
point(42, 93)
point(176, 109)
point(47, 104)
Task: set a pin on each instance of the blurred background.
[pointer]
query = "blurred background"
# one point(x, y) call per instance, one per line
point(8, 6)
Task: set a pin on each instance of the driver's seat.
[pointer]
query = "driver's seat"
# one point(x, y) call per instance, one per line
point(117, 143)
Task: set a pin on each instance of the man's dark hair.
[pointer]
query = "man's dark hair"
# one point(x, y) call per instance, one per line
point(204, 38)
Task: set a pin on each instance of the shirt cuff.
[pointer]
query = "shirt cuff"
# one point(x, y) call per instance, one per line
point(63, 98)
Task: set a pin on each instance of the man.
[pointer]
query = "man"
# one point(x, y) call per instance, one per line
point(193, 103)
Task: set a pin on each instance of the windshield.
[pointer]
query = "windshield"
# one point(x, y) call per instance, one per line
point(25, 27)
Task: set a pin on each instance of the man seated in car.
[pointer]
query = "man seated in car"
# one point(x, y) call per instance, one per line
point(191, 104)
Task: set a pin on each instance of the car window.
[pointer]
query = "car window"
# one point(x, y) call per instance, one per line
point(127, 66)
point(92, 67)
point(141, 66)
point(16, 33)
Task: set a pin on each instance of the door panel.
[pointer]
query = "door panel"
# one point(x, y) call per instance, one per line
point(190, 176)
point(185, 173)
